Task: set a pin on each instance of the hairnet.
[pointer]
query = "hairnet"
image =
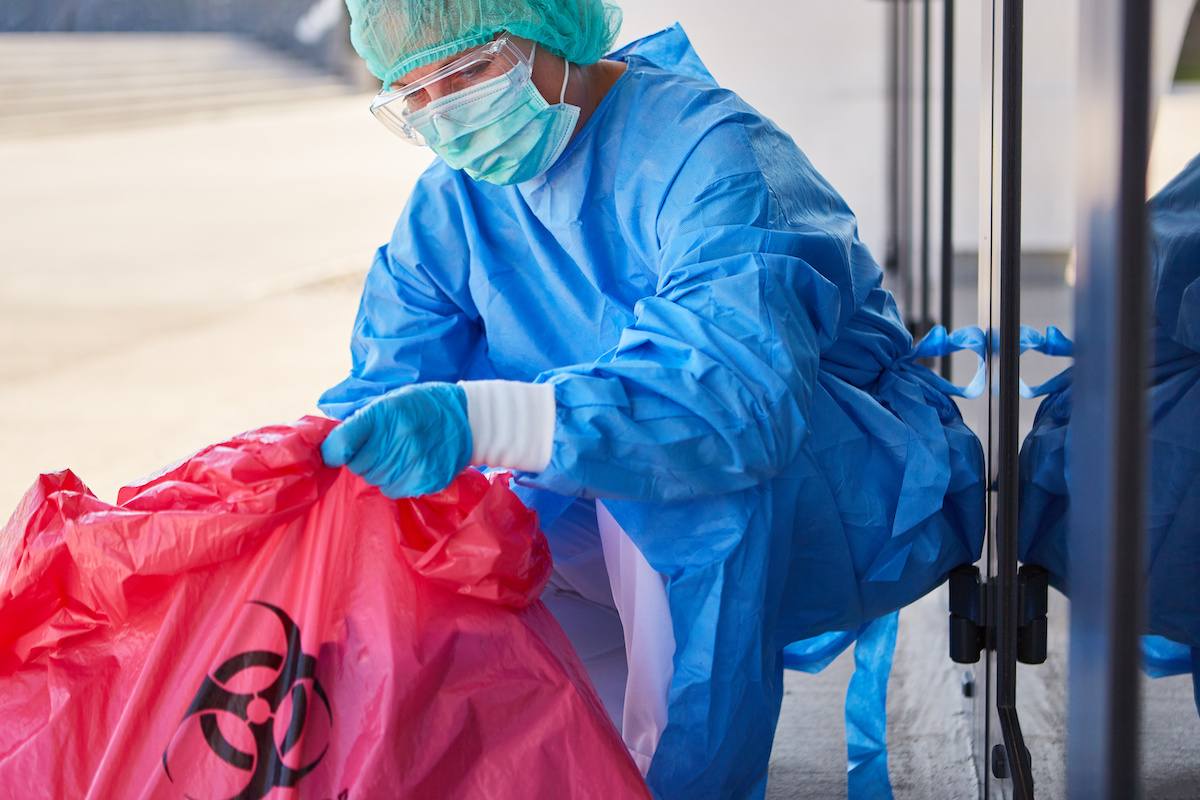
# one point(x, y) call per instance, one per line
point(398, 36)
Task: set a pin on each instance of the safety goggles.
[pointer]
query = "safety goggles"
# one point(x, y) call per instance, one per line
point(499, 64)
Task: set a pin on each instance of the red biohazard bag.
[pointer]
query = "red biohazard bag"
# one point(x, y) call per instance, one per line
point(251, 624)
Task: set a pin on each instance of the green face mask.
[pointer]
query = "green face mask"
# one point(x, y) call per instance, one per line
point(521, 144)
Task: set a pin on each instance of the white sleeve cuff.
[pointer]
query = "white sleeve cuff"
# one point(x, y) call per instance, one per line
point(512, 423)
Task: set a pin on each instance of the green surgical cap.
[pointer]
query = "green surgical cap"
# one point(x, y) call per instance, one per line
point(398, 36)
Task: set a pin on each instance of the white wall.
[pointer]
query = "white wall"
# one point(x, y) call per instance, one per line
point(818, 68)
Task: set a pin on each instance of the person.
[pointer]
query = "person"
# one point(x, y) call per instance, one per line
point(626, 286)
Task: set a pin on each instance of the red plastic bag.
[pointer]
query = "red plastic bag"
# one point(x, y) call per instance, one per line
point(251, 624)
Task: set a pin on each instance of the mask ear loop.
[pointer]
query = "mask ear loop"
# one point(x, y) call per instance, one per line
point(562, 93)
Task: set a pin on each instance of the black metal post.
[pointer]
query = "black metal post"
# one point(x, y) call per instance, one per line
point(904, 146)
point(1108, 478)
point(891, 261)
point(924, 323)
point(947, 294)
point(1009, 352)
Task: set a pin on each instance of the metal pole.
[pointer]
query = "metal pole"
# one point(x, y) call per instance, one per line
point(924, 323)
point(1108, 475)
point(1010, 317)
point(904, 146)
point(987, 296)
point(947, 295)
point(891, 258)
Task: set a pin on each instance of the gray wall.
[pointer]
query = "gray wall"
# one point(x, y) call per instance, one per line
point(272, 22)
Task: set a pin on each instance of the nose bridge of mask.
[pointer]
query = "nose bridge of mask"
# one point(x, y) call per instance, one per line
point(466, 105)
point(465, 111)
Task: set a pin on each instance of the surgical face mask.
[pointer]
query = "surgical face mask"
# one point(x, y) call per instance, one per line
point(522, 143)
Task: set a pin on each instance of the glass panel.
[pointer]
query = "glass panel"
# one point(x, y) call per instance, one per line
point(1169, 761)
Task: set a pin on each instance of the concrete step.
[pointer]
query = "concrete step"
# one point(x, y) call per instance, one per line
point(29, 96)
point(61, 83)
point(75, 120)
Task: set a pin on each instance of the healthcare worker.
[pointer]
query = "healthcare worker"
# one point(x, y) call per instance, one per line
point(625, 285)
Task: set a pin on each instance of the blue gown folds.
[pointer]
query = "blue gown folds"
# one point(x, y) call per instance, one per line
point(729, 375)
point(1173, 401)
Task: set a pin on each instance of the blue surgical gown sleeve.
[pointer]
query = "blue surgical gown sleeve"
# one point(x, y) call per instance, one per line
point(414, 322)
point(707, 391)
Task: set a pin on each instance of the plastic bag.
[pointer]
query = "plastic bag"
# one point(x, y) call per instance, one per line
point(251, 624)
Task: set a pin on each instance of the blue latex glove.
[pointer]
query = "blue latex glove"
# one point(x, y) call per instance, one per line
point(408, 442)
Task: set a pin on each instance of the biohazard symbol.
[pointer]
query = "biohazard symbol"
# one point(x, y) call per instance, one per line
point(265, 767)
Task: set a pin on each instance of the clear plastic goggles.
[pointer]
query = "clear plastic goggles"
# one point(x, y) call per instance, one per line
point(499, 59)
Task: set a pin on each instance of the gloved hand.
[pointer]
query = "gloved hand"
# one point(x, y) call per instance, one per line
point(411, 441)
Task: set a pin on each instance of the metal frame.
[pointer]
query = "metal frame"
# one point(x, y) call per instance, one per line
point(945, 317)
point(923, 323)
point(1108, 480)
point(1106, 536)
point(1006, 767)
point(1007, 609)
point(908, 257)
point(898, 256)
point(988, 293)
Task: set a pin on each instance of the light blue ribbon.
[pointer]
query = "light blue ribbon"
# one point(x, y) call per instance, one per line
point(940, 343)
point(866, 711)
point(1054, 343)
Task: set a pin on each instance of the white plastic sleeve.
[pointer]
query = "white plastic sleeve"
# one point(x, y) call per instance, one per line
point(640, 595)
point(512, 423)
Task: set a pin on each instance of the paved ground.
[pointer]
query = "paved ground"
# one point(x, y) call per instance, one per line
point(164, 286)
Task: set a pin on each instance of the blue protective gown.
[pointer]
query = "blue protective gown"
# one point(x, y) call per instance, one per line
point(1173, 400)
point(728, 372)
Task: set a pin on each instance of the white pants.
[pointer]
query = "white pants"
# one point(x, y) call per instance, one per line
point(613, 607)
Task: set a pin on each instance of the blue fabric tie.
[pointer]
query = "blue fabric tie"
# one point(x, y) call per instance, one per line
point(866, 711)
point(1053, 343)
point(866, 697)
point(940, 343)
point(1162, 657)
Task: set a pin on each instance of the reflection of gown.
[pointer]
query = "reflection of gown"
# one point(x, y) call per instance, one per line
point(1173, 518)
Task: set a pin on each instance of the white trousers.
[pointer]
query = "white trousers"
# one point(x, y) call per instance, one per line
point(613, 607)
